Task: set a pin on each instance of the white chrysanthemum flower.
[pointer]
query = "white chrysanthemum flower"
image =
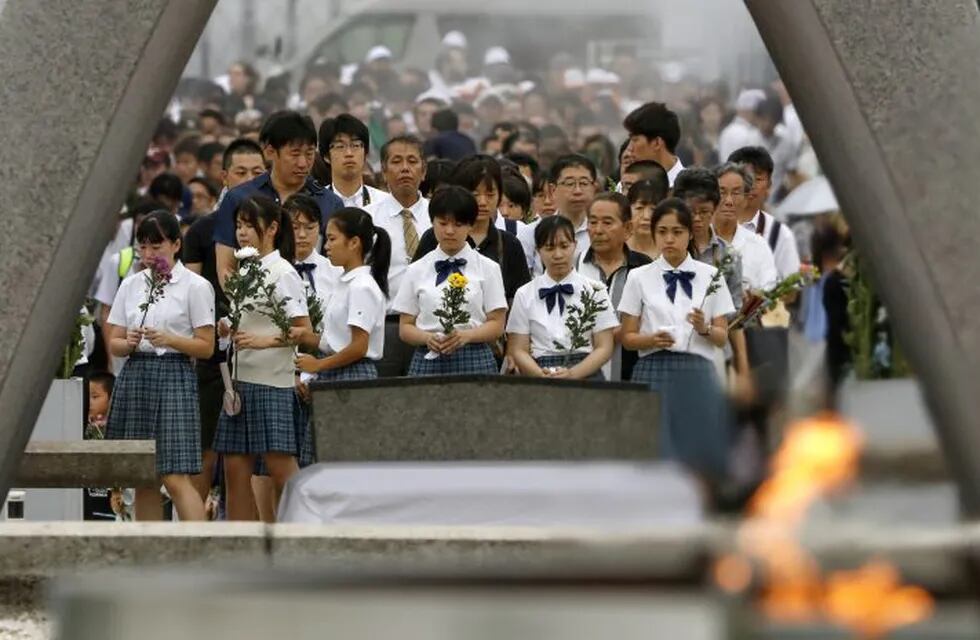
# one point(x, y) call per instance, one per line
point(246, 252)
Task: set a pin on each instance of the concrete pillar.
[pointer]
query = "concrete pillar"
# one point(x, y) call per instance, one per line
point(888, 92)
point(84, 84)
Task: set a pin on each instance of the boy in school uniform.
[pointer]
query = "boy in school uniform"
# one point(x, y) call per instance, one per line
point(466, 350)
point(344, 144)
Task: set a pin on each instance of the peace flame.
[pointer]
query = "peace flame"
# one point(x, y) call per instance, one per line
point(819, 457)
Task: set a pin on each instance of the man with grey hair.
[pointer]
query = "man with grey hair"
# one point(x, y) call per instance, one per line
point(758, 265)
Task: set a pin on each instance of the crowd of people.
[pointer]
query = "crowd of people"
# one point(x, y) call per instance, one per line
point(560, 225)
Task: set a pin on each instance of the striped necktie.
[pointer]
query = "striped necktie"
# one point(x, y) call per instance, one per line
point(411, 235)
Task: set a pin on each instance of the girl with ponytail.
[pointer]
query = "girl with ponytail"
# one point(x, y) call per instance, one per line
point(354, 320)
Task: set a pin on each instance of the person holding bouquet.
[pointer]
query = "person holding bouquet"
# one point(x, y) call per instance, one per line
point(259, 422)
point(674, 313)
point(161, 318)
point(354, 320)
point(452, 301)
point(561, 324)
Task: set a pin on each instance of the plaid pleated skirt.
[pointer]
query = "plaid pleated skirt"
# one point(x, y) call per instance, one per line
point(155, 398)
point(696, 421)
point(363, 369)
point(264, 425)
point(559, 361)
point(470, 359)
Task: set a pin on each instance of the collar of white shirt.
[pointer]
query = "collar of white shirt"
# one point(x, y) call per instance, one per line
point(177, 272)
point(687, 265)
point(315, 259)
point(396, 208)
point(270, 258)
point(353, 273)
point(753, 224)
point(468, 253)
point(548, 281)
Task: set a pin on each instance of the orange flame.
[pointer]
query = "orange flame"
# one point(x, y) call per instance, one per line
point(819, 456)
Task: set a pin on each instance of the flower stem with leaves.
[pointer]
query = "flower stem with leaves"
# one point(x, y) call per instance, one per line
point(453, 310)
point(580, 321)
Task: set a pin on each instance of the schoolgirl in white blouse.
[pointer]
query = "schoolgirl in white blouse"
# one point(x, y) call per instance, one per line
point(466, 350)
point(669, 316)
point(353, 329)
point(539, 341)
point(265, 371)
point(155, 396)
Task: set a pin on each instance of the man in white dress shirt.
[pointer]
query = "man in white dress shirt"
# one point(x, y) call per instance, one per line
point(758, 267)
point(573, 186)
point(654, 132)
point(344, 142)
point(777, 235)
point(404, 214)
point(741, 131)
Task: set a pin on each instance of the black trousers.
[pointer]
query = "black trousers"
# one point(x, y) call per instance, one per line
point(397, 355)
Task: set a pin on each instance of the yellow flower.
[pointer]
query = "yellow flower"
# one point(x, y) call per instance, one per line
point(457, 281)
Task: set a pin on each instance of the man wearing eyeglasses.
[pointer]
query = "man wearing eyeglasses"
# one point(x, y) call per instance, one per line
point(343, 143)
point(758, 265)
point(573, 186)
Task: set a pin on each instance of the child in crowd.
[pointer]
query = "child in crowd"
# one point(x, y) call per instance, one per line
point(264, 424)
point(537, 323)
point(352, 336)
point(669, 316)
point(466, 350)
point(155, 396)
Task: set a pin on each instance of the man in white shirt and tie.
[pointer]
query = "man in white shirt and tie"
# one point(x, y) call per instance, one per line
point(777, 235)
point(344, 143)
point(654, 132)
point(404, 214)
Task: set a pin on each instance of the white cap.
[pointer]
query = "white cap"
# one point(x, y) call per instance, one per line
point(574, 78)
point(496, 55)
point(749, 99)
point(601, 76)
point(454, 39)
point(379, 52)
point(672, 71)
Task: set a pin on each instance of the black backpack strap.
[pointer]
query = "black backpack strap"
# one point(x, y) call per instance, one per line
point(774, 234)
point(510, 225)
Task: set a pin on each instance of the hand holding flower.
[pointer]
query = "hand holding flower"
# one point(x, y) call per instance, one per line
point(455, 340)
point(697, 320)
point(246, 340)
point(307, 363)
point(159, 339)
point(133, 338)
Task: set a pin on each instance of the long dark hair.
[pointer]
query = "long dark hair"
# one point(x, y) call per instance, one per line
point(680, 209)
point(261, 212)
point(375, 242)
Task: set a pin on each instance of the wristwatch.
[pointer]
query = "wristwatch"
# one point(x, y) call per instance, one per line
point(706, 331)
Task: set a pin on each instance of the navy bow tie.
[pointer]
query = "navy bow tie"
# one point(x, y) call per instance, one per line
point(445, 268)
point(550, 295)
point(305, 270)
point(684, 277)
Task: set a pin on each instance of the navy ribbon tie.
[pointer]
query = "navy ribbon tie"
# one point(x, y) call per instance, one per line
point(684, 277)
point(305, 270)
point(445, 268)
point(554, 294)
